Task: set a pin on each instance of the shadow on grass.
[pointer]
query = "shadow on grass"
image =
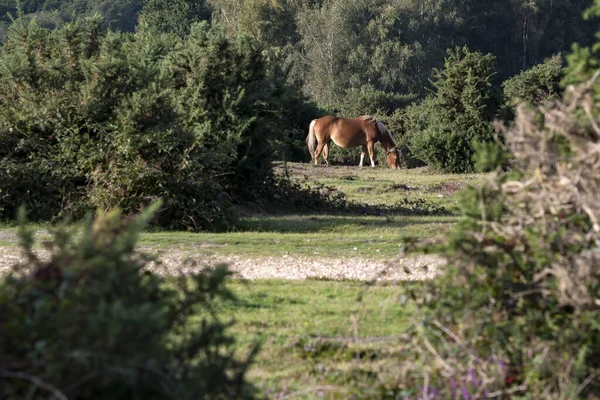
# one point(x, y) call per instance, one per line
point(329, 223)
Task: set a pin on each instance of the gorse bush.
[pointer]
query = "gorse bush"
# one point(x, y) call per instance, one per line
point(101, 119)
point(94, 322)
point(458, 116)
point(535, 85)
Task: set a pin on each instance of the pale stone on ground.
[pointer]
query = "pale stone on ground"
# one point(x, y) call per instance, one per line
point(416, 267)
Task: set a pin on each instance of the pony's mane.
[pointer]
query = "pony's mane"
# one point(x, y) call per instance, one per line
point(382, 129)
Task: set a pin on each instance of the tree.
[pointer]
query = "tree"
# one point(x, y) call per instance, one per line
point(173, 16)
point(326, 42)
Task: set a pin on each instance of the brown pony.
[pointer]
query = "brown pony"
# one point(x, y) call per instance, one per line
point(363, 131)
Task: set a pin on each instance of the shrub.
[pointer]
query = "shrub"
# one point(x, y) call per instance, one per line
point(536, 85)
point(101, 119)
point(94, 322)
point(445, 127)
point(405, 123)
point(521, 293)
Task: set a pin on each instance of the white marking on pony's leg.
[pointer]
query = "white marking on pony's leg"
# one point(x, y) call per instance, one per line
point(363, 151)
point(371, 153)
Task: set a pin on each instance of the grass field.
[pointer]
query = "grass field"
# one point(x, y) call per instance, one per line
point(316, 334)
point(317, 337)
point(386, 186)
point(335, 235)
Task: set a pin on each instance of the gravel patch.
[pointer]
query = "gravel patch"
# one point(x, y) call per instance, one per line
point(286, 267)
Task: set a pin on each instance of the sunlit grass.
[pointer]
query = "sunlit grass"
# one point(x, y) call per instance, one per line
point(305, 327)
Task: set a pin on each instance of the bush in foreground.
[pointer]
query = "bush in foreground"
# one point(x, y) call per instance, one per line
point(516, 313)
point(93, 322)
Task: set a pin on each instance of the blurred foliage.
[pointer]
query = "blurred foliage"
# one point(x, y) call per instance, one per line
point(94, 322)
point(521, 293)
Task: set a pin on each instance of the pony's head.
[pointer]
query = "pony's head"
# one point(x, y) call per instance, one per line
point(393, 154)
point(393, 157)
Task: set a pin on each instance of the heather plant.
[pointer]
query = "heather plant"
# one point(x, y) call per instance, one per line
point(94, 319)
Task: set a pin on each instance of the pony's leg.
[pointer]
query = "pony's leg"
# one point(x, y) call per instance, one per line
point(326, 153)
point(318, 152)
point(371, 148)
point(362, 155)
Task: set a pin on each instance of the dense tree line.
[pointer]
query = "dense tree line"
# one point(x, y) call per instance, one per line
point(332, 46)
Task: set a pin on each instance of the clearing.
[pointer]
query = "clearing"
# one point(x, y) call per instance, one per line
point(322, 331)
point(357, 246)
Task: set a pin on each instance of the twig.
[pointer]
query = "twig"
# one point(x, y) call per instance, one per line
point(36, 381)
point(449, 332)
point(499, 393)
point(436, 354)
point(587, 381)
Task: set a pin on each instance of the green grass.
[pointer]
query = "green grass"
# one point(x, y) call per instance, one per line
point(307, 235)
point(385, 186)
point(323, 235)
point(306, 327)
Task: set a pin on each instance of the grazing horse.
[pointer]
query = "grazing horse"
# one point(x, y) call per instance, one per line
point(363, 131)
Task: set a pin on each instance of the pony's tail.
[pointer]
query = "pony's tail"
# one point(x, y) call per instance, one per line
point(311, 139)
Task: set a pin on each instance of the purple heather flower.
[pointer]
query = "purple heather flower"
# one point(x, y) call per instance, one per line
point(502, 365)
point(473, 377)
point(453, 385)
point(465, 393)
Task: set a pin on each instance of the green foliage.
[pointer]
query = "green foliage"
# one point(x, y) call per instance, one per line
point(489, 156)
point(583, 62)
point(446, 126)
point(172, 16)
point(117, 14)
point(536, 85)
point(94, 119)
point(369, 101)
point(334, 46)
point(93, 322)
